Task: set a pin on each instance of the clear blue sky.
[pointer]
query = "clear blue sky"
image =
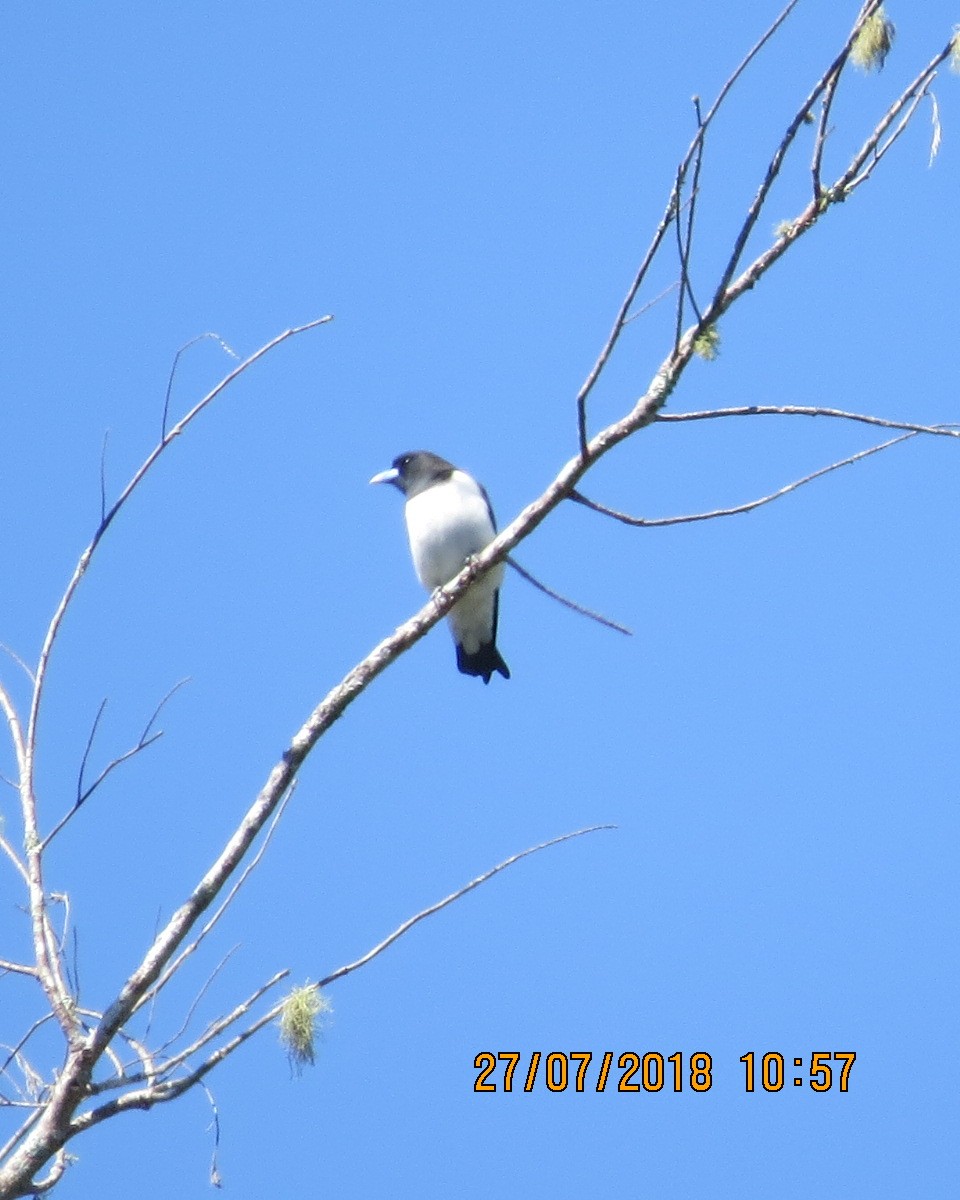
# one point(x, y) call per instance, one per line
point(469, 189)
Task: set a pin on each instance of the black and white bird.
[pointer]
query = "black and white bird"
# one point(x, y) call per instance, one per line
point(449, 519)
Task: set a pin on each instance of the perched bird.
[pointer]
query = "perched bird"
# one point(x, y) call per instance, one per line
point(449, 519)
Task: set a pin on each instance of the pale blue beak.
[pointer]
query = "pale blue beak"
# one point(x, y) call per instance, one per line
point(392, 475)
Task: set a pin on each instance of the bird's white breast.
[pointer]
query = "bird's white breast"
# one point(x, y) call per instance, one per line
point(446, 524)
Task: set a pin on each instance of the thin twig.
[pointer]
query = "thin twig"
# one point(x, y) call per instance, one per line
point(911, 107)
point(75, 1075)
point(644, 308)
point(176, 362)
point(17, 968)
point(49, 966)
point(167, 437)
point(653, 522)
point(685, 241)
point(452, 898)
point(86, 754)
point(64, 899)
point(669, 214)
point(215, 1178)
point(571, 604)
point(170, 1089)
point(19, 1134)
point(832, 82)
point(14, 858)
point(19, 661)
point(823, 125)
point(184, 954)
point(16, 730)
point(60, 1162)
point(909, 98)
point(14, 1051)
point(804, 410)
point(196, 1001)
point(213, 1030)
point(103, 474)
point(145, 740)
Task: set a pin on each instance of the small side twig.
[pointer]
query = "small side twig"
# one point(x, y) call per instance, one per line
point(685, 240)
point(16, 731)
point(671, 213)
point(188, 1017)
point(807, 410)
point(84, 561)
point(171, 1088)
point(451, 899)
point(103, 475)
point(571, 604)
point(146, 739)
point(150, 996)
point(215, 1178)
point(19, 661)
point(176, 363)
point(16, 968)
point(653, 522)
point(14, 858)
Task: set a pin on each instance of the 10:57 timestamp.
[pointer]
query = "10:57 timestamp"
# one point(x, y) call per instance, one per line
point(770, 1070)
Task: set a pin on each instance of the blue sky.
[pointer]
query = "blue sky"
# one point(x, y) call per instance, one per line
point(469, 190)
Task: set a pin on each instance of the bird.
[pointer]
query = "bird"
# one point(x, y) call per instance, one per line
point(449, 519)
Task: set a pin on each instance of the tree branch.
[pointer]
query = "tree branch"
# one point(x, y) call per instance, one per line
point(650, 522)
point(59, 1119)
point(146, 739)
point(167, 1090)
point(805, 410)
point(671, 213)
point(571, 604)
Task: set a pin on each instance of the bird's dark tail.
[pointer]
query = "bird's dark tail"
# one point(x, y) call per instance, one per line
point(484, 662)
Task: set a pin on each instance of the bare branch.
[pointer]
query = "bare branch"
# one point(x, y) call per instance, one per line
point(60, 1162)
point(225, 904)
point(83, 761)
point(215, 1028)
point(64, 899)
point(103, 475)
point(577, 608)
point(832, 80)
point(170, 1089)
point(644, 308)
point(776, 162)
point(146, 739)
point(16, 731)
point(16, 968)
point(167, 437)
point(15, 1051)
point(650, 522)
point(176, 363)
point(48, 963)
point(910, 105)
point(685, 241)
point(212, 1031)
point(670, 213)
point(802, 410)
point(85, 1049)
point(454, 896)
point(19, 1134)
point(19, 661)
point(185, 1024)
point(14, 858)
point(215, 1179)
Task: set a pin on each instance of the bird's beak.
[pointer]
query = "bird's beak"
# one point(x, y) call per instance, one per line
point(388, 476)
